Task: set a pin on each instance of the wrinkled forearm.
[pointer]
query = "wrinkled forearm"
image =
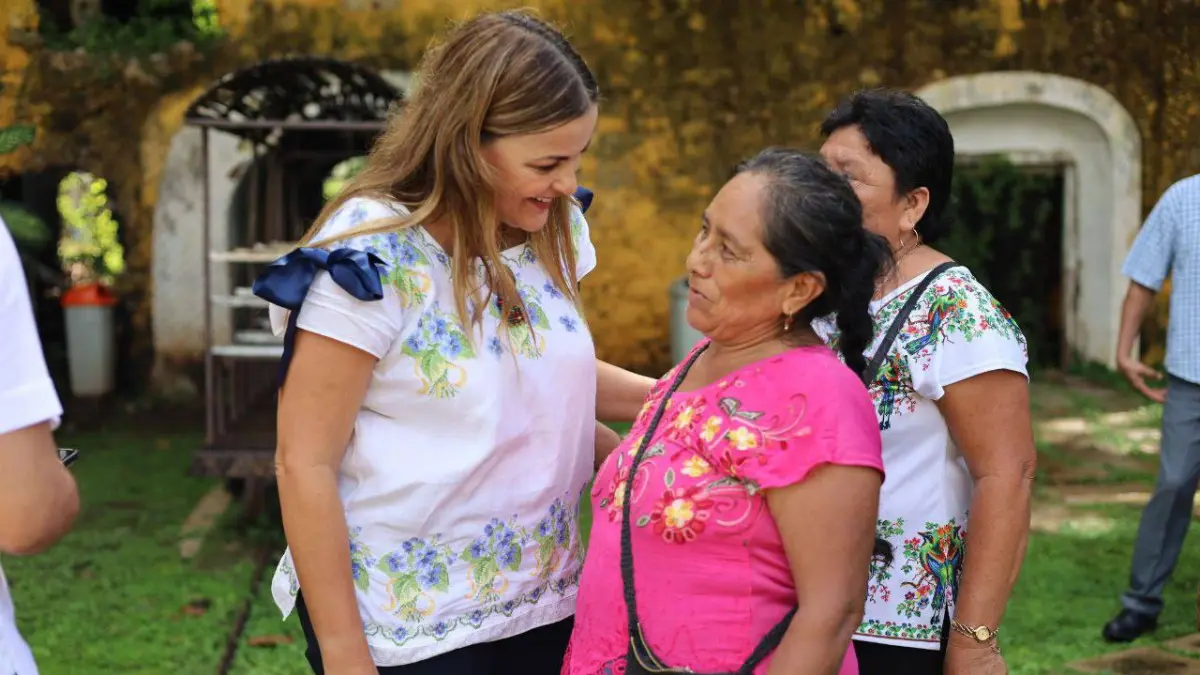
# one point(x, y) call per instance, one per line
point(998, 535)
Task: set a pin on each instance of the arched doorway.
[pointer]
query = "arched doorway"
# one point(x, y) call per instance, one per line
point(1038, 120)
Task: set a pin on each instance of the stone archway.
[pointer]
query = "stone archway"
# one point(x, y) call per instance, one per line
point(1038, 118)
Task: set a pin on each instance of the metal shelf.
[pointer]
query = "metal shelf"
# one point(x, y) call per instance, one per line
point(247, 351)
point(255, 255)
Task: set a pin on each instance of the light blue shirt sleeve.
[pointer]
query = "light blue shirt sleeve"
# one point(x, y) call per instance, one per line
point(1149, 261)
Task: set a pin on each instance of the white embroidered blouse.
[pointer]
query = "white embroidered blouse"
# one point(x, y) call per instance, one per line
point(956, 331)
point(463, 479)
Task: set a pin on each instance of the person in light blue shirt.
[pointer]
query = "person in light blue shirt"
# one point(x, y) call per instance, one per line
point(1168, 244)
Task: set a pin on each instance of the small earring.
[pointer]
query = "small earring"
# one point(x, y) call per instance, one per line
point(787, 323)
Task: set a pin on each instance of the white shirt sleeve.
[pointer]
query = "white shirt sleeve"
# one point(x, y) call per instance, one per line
point(328, 310)
point(581, 238)
point(27, 394)
point(966, 334)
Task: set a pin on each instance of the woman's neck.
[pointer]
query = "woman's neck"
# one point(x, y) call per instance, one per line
point(912, 266)
point(724, 357)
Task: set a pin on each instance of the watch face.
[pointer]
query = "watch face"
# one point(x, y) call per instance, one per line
point(982, 633)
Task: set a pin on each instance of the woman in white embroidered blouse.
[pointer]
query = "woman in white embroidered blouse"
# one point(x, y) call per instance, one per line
point(438, 416)
point(953, 405)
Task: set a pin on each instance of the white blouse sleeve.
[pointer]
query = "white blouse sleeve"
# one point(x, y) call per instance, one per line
point(581, 239)
point(958, 331)
point(328, 310)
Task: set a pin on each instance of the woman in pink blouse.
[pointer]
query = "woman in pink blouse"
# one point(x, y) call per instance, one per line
point(734, 526)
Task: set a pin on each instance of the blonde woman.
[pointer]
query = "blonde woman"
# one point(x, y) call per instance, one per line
point(437, 417)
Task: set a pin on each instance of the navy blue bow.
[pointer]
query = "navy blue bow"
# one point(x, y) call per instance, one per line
point(584, 196)
point(286, 281)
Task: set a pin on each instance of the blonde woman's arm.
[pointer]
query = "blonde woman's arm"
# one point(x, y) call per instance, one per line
point(318, 405)
point(619, 392)
point(607, 440)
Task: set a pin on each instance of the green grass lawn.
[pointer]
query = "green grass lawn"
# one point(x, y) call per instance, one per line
point(114, 596)
point(1071, 584)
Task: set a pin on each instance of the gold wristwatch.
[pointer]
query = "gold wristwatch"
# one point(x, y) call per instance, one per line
point(979, 633)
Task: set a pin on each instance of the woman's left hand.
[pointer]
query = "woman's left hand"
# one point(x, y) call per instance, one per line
point(973, 659)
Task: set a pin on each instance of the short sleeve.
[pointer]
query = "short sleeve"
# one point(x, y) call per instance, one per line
point(27, 394)
point(796, 413)
point(1149, 260)
point(328, 310)
point(957, 331)
point(581, 239)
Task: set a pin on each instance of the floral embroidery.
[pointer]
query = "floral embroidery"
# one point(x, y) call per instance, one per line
point(525, 340)
point(695, 467)
point(903, 631)
point(570, 324)
point(954, 307)
point(553, 537)
point(288, 571)
point(361, 560)
point(712, 427)
point(434, 346)
point(495, 346)
point(422, 569)
point(716, 468)
point(679, 515)
point(414, 572)
point(407, 262)
point(496, 550)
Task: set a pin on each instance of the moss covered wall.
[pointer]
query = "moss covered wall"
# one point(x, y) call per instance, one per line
point(690, 87)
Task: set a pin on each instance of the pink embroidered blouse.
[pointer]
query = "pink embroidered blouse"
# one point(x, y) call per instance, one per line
point(711, 574)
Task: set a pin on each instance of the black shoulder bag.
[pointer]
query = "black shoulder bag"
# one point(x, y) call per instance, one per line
point(640, 658)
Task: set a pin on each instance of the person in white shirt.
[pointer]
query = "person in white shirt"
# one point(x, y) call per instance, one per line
point(38, 496)
point(439, 387)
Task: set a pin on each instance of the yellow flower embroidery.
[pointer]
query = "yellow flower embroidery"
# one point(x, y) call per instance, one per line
point(685, 417)
point(742, 439)
point(679, 513)
point(695, 467)
point(712, 426)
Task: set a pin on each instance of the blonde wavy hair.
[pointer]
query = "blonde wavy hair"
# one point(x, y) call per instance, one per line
point(498, 74)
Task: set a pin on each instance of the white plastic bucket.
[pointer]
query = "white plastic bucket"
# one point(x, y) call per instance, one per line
point(91, 348)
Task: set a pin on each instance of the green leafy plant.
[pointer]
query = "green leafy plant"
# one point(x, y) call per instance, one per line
point(155, 28)
point(29, 231)
point(1008, 228)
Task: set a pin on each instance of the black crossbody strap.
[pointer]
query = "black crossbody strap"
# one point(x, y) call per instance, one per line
point(773, 637)
point(626, 512)
point(872, 370)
